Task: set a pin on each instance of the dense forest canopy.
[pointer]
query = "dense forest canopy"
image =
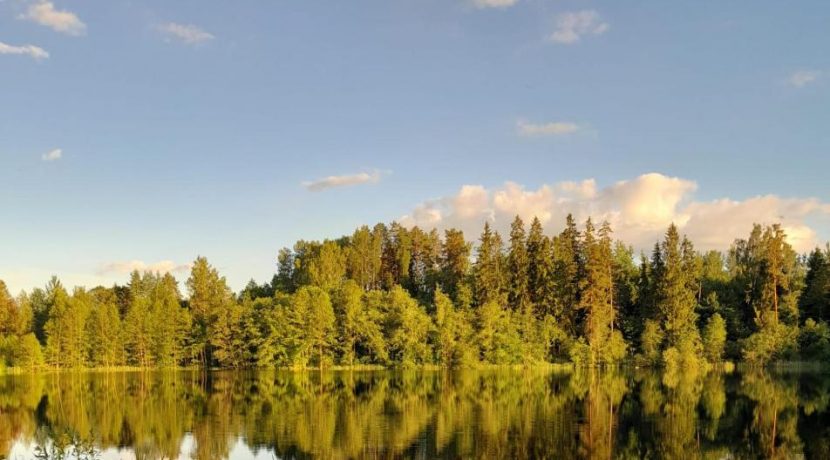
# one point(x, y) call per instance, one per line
point(394, 296)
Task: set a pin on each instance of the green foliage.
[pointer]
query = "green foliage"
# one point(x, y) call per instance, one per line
point(105, 334)
point(685, 356)
point(312, 319)
point(814, 341)
point(498, 338)
point(29, 353)
point(568, 264)
point(517, 267)
point(399, 296)
point(328, 267)
point(359, 326)
point(209, 298)
point(651, 341)
point(773, 342)
point(540, 269)
point(714, 338)
point(66, 343)
point(488, 269)
point(452, 334)
point(455, 262)
point(814, 301)
point(408, 328)
point(606, 345)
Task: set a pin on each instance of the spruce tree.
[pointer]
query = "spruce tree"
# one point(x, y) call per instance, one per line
point(517, 267)
point(568, 265)
point(455, 262)
point(540, 269)
point(488, 270)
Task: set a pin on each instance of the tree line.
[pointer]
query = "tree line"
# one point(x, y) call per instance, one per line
point(395, 296)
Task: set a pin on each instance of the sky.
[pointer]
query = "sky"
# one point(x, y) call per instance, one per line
point(138, 135)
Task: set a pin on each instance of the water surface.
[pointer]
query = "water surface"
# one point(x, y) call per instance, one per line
point(422, 414)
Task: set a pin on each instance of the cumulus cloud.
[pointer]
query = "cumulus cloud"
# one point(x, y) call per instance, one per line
point(803, 78)
point(571, 27)
point(494, 3)
point(162, 266)
point(45, 14)
point(638, 209)
point(185, 33)
point(342, 181)
point(52, 155)
point(554, 128)
point(34, 52)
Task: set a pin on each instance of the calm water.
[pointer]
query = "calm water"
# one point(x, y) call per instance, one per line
point(482, 414)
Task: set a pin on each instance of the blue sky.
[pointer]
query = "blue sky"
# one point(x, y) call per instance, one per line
point(156, 131)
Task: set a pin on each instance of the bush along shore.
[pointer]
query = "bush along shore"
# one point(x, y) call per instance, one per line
point(391, 296)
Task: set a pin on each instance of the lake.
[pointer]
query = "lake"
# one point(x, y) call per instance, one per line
point(503, 413)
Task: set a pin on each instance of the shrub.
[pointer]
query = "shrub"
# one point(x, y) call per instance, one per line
point(714, 338)
point(814, 341)
point(774, 342)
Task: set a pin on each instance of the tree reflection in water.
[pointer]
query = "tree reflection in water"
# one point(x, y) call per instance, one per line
point(464, 414)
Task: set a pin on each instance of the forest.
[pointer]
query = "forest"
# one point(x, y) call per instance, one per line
point(398, 297)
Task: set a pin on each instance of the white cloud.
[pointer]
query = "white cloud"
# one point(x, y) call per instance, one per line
point(45, 14)
point(571, 27)
point(342, 181)
point(32, 51)
point(555, 128)
point(185, 33)
point(163, 266)
point(803, 78)
point(52, 155)
point(494, 3)
point(638, 209)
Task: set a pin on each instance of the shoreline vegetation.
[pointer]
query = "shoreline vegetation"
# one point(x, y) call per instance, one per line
point(390, 297)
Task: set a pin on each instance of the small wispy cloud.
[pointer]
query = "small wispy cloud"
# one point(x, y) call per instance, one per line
point(554, 128)
point(494, 3)
point(35, 52)
point(801, 78)
point(162, 266)
point(52, 155)
point(342, 181)
point(571, 27)
point(45, 14)
point(185, 33)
